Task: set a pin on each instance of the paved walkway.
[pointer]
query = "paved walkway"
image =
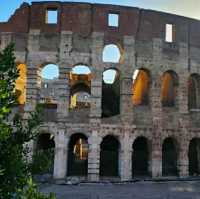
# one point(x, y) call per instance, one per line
point(138, 190)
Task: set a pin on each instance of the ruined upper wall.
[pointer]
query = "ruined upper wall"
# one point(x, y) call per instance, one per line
point(85, 18)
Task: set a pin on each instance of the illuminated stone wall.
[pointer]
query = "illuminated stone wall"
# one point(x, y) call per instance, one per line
point(79, 37)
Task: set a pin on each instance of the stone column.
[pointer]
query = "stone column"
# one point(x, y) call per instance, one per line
point(94, 156)
point(183, 78)
point(60, 156)
point(126, 156)
point(63, 92)
point(32, 88)
point(126, 80)
point(156, 108)
point(183, 162)
point(157, 129)
point(155, 89)
point(64, 66)
point(156, 156)
point(33, 77)
point(97, 69)
point(183, 148)
point(183, 110)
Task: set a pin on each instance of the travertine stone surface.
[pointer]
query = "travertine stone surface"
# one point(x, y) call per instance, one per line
point(78, 38)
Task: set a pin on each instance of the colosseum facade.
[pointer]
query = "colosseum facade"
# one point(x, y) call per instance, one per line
point(144, 120)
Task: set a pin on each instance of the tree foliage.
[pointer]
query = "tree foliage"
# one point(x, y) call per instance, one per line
point(14, 134)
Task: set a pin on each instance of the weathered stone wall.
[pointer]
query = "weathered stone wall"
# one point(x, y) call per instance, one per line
point(79, 38)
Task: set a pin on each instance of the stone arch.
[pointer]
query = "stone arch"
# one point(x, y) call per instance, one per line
point(111, 53)
point(169, 88)
point(109, 156)
point(141, 86)
point(194, 91)
point(80, 86)
point(170, 157)
point(21, 82)
point(110, 92)
point(140, 157)
point(77, 155)
point(50, 71)
point(48, 75)
point(194, 157)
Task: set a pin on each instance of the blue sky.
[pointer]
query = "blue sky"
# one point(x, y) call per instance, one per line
point(190, 8)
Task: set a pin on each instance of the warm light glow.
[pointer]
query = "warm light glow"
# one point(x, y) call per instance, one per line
point(167, 90)
point(81, 149)
point(20, 87)
point(140, 87)
point(80, 100)
point(80, 80)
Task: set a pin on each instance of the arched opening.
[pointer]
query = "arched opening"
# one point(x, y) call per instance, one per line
point(194, 157)
point(110, 93)
point(169, 89)
point(194, 91)
point(169, 157)
point(140, 157)
point(141, 81)
point(20, 86)
point(111, 53)
point(48, 93)
point(49, 79)
point(78, 155)
point(50, 72)
point(43, 158)
point(109, 157)
point(80, 87)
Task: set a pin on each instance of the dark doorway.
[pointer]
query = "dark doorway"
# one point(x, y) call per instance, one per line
point(45, 141)
point(78, 155)
point(140, 157)
point(169, 158)
point(109, 157)
point(194, 157)
point(110, 93)
point(43, 156)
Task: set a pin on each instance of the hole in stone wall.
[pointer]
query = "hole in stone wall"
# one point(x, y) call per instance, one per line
point(110, 93)
point(141, 81)
point(111, 53)
point(169, 157)
point(194, 92)
point(45, 141)
point(194, 157)
point(109, 156)
point(169, 89)
point(49, 79)
point(43, 157)
point(52, 16)
point(140, 157)
point(170, 33)
point(80, 83)
point(113, 20)
point(20, 86)
point(50, 71)
point(78, 155)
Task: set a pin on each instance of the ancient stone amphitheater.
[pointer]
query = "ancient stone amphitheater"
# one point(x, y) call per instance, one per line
point(126, 102)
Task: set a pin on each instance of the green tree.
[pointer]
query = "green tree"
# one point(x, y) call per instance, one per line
point(14, 165)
